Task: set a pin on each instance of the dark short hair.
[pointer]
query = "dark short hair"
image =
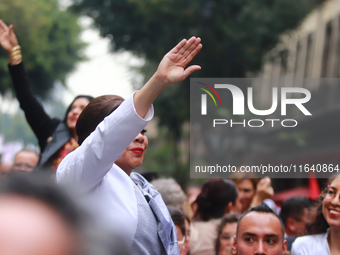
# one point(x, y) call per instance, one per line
point(214, 198)
point(228, 218)
point(94, 113)
point(294, 207)
point(262, 208)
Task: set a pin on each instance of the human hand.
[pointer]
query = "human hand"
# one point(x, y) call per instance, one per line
point(263, 191)
point(171, 69)
point(8, 40)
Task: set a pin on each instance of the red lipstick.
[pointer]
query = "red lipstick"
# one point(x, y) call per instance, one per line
point(334, 213)
point(137, 150)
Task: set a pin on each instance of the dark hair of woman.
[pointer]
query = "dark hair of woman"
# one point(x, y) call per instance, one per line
point(70, 106)
point(229, 218)
point(214, 198)
point(177, 217)
point(94, 113)
point(318, 223)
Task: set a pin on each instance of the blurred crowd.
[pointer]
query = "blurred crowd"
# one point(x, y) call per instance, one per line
point(219, 217)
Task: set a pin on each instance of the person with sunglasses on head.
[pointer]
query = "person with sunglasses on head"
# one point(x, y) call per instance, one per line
point(324, 229)
point(56, 137)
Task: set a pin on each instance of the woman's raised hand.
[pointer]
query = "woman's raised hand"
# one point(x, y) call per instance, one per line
point(172, 69)
point(8, 40)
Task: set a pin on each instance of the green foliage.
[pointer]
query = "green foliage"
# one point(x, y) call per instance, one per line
point(49, 38)
point(235, 36)
point(235, 33)
point(163, 157)
point(299, 138)
point(159, 154)
point(16, 128)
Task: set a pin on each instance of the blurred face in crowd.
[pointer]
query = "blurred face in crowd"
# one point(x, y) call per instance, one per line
point(72, 116)
point(237, 207)
point(180, 238)
point(226, 238)
point(185, 248)
point(297, 225)
point(246, 192)
point(192, 194)
point(259, 233)
point(331, 204)
point(25, 161)
point(5, 168)
point(29, 227)
point(133, 155)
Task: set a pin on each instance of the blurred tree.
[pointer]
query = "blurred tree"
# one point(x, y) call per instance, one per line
point(49, 37)
point(235, 36)
point(235, 33)
point(15, 128)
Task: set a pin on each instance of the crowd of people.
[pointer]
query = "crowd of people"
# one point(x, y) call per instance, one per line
point(96, 148)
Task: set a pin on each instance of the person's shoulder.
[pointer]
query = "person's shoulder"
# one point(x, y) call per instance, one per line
point(210, 225)
point(308, 242)
point(311, 237)
point(138, 177)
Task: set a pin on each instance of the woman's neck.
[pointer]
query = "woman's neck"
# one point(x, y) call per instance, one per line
point(333, 241)
point(74, 133)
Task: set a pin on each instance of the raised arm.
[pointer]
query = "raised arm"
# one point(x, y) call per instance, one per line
point(263, 191)
point(9, 42)
point(36, 116)
point(171, 70)
point(96, 155)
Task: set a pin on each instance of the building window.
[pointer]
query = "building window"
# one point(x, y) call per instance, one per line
point(326, 50)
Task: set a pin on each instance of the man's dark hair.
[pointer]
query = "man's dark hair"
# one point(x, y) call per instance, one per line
point(262, 208)
point(294, 207)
